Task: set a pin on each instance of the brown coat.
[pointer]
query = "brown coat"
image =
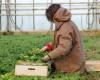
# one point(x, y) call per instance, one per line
point(68, 55)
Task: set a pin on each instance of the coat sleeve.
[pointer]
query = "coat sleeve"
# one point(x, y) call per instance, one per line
point(64, 46)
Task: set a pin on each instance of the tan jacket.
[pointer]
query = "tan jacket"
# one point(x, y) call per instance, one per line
point(68, 55)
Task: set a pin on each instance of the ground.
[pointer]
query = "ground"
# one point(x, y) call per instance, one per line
point(22, 47)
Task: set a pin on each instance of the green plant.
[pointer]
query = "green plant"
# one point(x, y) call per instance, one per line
point(27, 47)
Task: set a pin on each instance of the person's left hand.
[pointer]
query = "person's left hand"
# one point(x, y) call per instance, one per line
point(45, 59)
point(44, 48)
point(48, 47)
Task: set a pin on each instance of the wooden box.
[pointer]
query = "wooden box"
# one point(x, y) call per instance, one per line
point(31, 70)
point(93, 65)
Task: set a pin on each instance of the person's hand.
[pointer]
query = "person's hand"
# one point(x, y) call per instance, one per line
point(45, 59)
point(44, 48)
point(48, 47)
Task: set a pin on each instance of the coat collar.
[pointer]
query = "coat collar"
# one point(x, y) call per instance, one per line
point(62, 15)
point(58, 25)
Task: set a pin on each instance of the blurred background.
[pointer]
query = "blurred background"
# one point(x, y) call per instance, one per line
point(29, 15)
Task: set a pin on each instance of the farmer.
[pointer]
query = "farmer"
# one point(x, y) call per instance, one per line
point(68, 54)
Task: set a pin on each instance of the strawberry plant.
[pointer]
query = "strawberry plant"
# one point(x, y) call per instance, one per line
point(27, 48)
point(34, 55)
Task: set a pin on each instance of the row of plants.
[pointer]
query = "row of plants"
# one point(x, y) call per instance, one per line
point(27, 48)
point(14, 48)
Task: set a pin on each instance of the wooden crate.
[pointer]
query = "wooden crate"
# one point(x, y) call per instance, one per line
point(31, 70)
point(93, 65)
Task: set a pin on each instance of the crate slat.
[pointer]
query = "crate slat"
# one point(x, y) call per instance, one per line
point(25, 70)
point(93, 65)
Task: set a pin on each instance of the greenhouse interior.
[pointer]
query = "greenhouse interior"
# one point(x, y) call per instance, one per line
point(26, 33)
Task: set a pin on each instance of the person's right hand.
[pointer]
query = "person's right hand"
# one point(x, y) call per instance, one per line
point(44, 48)
point(48, 47)
point(45, 59)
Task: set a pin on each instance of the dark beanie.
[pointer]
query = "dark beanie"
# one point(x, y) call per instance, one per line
point(51, 11)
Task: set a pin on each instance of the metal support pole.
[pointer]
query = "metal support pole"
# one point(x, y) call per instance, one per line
point(0, 13)
point(96, 16)
point(8, 15)
point(82, 22)
point(15, 16)
point(51, 26)
point(33, 17)
point(88, 15)
point(50, 3)
point(70, 5)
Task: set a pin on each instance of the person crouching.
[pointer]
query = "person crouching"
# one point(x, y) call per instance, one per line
point(68, 53)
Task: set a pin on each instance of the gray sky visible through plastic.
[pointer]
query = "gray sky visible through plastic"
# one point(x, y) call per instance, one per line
point(41, 23)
